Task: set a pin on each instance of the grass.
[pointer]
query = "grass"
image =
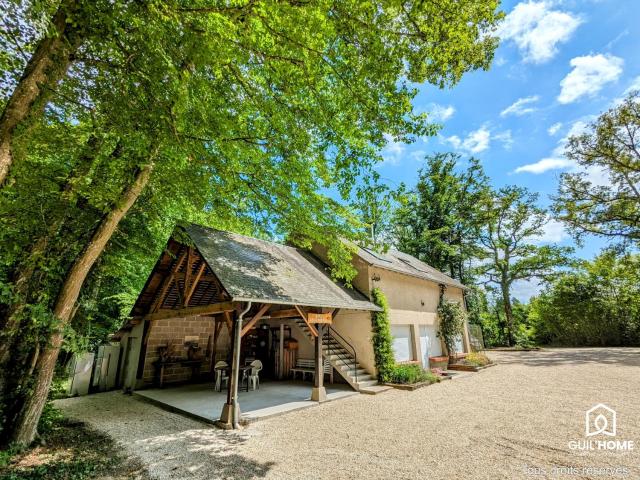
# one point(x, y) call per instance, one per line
point(411, 374)
point(70, 450)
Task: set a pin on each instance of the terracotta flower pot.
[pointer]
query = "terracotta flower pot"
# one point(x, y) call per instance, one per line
point(438, 362)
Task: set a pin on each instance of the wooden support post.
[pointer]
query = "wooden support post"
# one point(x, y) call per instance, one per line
point(233, 351)
point(281, 353)
point(318, 393)
point(217, 328)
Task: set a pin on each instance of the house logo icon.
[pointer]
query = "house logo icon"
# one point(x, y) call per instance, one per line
point(600, 419)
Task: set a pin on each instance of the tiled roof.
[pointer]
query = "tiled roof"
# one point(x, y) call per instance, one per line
point(404, 263)
point(267, 272)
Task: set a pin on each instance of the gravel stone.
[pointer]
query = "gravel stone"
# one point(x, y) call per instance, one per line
point(493, 424)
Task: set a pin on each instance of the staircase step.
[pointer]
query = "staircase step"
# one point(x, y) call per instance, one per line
point(374, 389)
point(342, 364)
point(337, 353)
point(367, 383)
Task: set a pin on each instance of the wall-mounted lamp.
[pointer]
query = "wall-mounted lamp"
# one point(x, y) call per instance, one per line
point(375, 277)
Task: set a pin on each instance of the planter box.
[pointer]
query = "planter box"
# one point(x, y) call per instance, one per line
point(409, 386)
point(468, 368)
point(513, 349)
point(457, 356)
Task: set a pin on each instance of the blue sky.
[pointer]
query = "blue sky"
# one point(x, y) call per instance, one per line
point(559, 64)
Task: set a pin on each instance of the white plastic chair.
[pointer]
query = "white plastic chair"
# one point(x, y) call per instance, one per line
point(252, 375)
point(221, 374)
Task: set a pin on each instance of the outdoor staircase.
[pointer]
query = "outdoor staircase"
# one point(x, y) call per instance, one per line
point(344, 361)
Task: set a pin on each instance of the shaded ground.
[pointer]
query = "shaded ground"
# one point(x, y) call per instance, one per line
point(514, 420)
point(70, 450)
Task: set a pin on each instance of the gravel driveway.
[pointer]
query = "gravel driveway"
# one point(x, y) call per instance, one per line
point(493, 424)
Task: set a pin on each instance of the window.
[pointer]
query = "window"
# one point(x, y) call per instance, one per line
point(402, 343)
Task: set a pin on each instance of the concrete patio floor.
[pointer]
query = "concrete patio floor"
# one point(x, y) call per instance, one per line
point(202, 402)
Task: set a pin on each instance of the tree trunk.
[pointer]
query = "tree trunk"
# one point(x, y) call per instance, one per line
point(26, 427)
point(11, 324)
point(47, 65)
point(508, 312)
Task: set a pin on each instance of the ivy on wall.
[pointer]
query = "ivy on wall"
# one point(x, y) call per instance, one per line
point(451, 315)
point(382, 340)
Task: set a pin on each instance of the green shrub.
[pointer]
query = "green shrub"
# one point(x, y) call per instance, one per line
point(477, 359)
point(410, 374)
point(382, 340)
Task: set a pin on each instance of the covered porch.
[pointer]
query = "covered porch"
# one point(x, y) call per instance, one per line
point(202, 402)
point(221, 297)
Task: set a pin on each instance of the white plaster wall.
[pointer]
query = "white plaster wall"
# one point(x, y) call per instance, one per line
point(414, 302)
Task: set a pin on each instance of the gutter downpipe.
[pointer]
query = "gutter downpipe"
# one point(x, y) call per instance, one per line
point(236, 366)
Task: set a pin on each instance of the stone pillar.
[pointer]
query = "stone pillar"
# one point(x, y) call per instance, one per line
point(319, 394)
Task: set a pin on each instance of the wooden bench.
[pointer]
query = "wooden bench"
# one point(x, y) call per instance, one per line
point(308, 365)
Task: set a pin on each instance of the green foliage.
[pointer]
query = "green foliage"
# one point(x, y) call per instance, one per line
point(408, 374)
point(250, 113)
point(608, 149)
point(451, 317)
point(382, 340)
point(596, 305)
point(494, 324)
point(50, 417)
point(439, 221)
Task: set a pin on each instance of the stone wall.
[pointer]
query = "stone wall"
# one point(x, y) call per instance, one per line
point(173, 332)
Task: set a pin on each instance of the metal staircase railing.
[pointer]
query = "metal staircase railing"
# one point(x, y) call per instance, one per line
point(332, 334)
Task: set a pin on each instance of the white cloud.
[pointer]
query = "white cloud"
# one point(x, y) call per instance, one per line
point(537, 29)
point(523, 290)
point(545, 165)
point(479, 140)
point(475, 142)
point(590, 73)
point(393, 151)
point(597, 176)
point(577, 128)
point(442, 113)
point(505, 138)
point(522, 106)
point(417, 155)
point(553, 231)
point(635, 85)
point(553, 129)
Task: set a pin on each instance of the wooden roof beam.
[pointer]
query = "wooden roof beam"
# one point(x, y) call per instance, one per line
point(193, 311)
point(255, 319)
point(303, 314)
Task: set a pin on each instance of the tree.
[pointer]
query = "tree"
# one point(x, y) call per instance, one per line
point(597, 304)
point(604, 199)
point(512, 221)
point(439, 222)
point(207, 110)
point(374, 205)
